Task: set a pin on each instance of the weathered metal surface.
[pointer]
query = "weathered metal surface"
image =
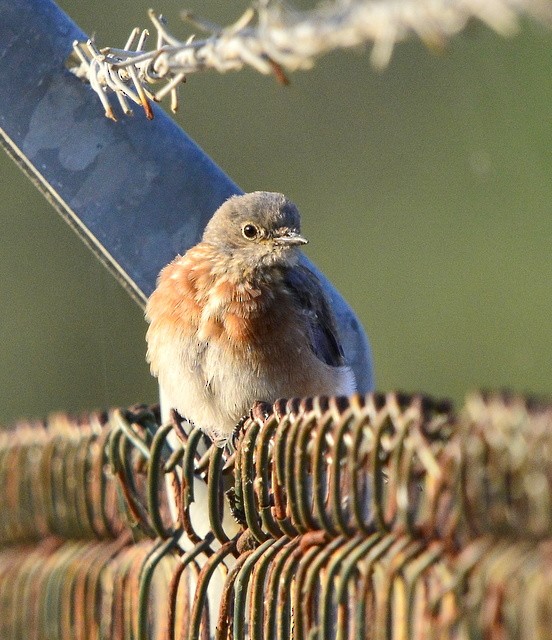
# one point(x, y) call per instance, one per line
point(373, 517)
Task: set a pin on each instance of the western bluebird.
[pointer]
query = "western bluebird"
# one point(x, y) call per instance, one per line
point(237, 319)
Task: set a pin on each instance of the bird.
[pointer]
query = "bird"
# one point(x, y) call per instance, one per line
point(238, 319)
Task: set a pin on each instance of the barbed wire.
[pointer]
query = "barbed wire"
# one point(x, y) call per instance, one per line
point(273, 39)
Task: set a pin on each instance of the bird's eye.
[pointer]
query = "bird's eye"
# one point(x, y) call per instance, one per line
point(250, 231)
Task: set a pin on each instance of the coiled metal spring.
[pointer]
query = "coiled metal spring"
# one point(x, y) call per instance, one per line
point(368, 517)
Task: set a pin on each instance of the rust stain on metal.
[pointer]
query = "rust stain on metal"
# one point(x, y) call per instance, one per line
point(362, 517)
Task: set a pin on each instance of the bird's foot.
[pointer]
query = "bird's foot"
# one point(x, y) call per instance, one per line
point(261, 411)
point(235, 435)
point(236, 507)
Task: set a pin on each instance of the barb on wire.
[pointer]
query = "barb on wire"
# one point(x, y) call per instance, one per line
point(273, 39)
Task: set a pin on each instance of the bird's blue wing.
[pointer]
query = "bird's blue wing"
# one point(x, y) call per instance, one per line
point(311, 300)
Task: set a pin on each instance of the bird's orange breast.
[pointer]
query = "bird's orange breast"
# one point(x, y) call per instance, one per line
point(196, 298)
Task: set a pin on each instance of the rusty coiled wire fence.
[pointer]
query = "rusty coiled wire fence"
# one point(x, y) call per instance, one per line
point(376, 517)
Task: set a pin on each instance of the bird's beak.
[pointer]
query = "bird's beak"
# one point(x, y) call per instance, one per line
point(290, 239)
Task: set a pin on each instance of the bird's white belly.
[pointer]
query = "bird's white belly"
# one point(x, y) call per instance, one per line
point(214, 387)
point(208, 385)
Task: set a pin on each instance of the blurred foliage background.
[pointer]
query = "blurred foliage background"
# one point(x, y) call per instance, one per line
point(425, 191)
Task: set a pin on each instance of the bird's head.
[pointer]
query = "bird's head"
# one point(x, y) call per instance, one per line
point(255, 231)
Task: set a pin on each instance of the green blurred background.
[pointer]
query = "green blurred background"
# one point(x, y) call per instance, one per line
point(425, 191)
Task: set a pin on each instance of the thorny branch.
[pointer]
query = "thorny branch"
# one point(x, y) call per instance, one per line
point(272, 38)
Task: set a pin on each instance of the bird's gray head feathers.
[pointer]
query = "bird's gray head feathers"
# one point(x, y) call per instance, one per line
point(258, 228)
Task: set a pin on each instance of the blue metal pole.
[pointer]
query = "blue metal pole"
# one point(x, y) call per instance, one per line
point(138, 192)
